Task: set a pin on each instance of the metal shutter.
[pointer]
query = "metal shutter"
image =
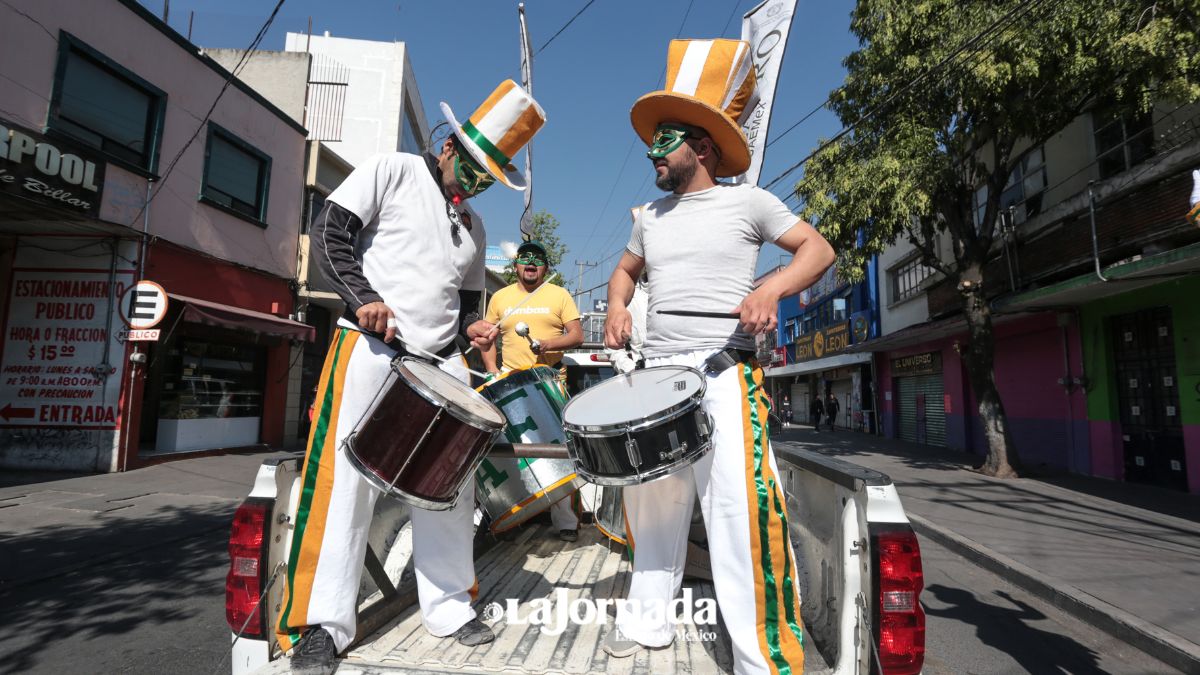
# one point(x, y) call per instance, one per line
point(800, 403)
point(933, 429)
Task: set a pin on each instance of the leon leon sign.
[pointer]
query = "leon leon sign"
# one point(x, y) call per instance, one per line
point(49, 171)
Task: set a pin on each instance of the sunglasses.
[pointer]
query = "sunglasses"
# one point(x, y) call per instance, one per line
point(531, 260)
point(471, 177)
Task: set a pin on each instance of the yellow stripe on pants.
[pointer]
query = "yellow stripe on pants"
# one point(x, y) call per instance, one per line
point(316, 486)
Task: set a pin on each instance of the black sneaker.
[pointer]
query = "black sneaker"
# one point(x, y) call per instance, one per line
point(315, 653)
point(474, 633)
point(568, 535)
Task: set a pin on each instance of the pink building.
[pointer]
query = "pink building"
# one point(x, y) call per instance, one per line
point(103, 105)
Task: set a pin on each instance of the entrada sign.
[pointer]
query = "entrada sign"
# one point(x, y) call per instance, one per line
point(49, 171)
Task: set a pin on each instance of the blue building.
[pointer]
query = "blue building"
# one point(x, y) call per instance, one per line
point(813, 356)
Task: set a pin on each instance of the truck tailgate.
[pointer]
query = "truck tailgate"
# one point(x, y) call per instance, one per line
point(535, 565)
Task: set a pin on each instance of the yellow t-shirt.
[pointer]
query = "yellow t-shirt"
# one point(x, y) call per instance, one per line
point(548, 312)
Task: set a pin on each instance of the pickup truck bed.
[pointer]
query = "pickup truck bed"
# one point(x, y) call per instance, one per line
point(532, 565)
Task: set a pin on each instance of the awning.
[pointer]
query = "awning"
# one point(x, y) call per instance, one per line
point(1146, 270)
point(196, 310)
point(827, 363)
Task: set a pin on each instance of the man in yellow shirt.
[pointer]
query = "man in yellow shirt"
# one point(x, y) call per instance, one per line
point(547, 309)
point(554, 327)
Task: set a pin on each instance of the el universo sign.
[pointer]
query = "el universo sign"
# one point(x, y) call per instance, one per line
point(49, 171)
point(926, 363)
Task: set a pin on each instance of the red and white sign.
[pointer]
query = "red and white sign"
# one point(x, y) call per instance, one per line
point(139, 335)
point(143, 305)
point(59, 323)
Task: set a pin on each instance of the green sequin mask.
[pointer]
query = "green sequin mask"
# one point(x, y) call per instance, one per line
point(529, 259)
point(667, 138)
point(471, 177)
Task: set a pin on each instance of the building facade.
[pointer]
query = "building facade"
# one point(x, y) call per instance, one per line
point(113, 173)
point(813, 358)
point(1089, 285)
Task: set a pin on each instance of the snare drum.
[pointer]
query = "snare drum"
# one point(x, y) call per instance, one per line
point(512, 491)
point(636, 427)
point(423, 435)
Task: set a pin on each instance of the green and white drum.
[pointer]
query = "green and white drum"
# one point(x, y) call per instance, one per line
point(511, 491)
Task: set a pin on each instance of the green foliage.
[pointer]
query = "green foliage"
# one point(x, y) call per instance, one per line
point(545, 227)
point(917, 154)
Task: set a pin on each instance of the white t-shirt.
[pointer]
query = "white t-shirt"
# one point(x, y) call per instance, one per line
point(407, 247)
point(701, 250)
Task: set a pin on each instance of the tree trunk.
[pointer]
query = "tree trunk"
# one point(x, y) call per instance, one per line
point(979, 356)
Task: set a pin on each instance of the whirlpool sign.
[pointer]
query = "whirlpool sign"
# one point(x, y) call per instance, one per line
point(49, 171)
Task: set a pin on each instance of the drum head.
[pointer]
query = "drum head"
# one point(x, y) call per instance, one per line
point(634, 396)
point(449, 391)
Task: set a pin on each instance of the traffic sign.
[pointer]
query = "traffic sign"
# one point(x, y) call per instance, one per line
point(143, 305)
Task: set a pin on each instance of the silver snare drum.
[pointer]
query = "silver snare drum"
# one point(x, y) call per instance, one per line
point(636, 427)
point(511, 491)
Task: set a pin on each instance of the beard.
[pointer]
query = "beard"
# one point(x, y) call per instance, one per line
point(676, 175)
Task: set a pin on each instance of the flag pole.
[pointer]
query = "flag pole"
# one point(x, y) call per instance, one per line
point(527, 83)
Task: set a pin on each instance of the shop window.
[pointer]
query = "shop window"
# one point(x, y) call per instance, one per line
point(1022, 193)
point(236, 175)
point(203, 379)
point(101, 104)
point(908, 278)
point(1122, 141)
point(841, 308)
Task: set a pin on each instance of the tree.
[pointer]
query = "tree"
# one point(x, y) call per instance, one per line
point(545, 226)
point(938, 101)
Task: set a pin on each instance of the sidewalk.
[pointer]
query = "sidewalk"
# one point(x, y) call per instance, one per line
point(1121, 556)
point(51, 524)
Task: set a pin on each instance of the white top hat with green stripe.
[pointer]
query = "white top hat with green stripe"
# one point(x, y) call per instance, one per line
point(498, 129)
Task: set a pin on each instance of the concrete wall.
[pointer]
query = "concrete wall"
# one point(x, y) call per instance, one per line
point(894, 316)
point(281, 77)
point(29, 59)
point(374, 106)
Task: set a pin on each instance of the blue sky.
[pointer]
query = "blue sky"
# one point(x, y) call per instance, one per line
point(589, 168)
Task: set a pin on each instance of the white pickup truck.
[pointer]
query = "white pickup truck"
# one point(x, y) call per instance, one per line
point(858, 560)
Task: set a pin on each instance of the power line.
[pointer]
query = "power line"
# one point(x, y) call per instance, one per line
point(1026, 5)
point(560, 30)
point(233, 73)
point(625, 161)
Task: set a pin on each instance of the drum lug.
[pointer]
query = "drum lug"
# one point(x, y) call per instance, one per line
point(703, 422)
point(631, 448)
point(676, 452)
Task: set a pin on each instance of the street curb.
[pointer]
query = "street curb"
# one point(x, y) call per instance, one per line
point(1149, 638)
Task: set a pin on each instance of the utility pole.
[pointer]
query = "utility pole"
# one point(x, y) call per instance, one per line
point(579, 284)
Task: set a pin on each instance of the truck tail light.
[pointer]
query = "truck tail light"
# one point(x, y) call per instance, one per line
point(900, 633)
point(247, 567)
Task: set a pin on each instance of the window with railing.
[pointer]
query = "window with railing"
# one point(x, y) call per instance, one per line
point(908, 278)
point(1122, 141)
point(1023, 191)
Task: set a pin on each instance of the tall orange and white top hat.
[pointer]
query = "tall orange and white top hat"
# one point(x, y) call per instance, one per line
point(498, 129)
point(709, 83)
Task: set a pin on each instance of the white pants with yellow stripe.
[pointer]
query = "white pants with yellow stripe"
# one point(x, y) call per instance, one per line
point(741, 495)
point(336, 504)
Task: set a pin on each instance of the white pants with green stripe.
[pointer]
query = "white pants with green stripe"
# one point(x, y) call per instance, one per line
point(328, 554)
point(744, 508)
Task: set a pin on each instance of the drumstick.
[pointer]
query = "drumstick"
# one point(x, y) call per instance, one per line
point(411, 347)
point(702, 315)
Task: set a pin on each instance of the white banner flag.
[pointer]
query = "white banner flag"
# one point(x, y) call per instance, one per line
point(766, 28)
point(527, 82)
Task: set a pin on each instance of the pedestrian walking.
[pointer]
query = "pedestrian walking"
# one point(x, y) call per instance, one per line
point(832, 408)
point(815, 410)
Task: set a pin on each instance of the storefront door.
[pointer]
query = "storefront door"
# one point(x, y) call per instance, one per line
point(921, 409)
point(1148, 397)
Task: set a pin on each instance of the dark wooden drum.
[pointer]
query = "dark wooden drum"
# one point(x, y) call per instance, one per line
point(423, 436)
point(636, 427)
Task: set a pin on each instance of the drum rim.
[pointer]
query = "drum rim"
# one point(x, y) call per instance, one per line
point(609, 431)
point(665, 415)
point(651, 475)
point(456, 411)
point(504, 375)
